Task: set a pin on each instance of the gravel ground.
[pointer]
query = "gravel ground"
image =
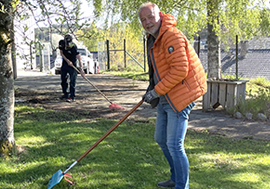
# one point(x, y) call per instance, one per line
point(38, 89)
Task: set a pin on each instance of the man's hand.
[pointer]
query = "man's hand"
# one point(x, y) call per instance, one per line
point(82, 72)
point(150, 95)
point(69, 63)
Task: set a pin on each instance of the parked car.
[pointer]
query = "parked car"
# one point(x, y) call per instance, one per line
point(58, 64)
point(89, 65)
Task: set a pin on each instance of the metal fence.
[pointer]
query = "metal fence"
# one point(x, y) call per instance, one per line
point(253, 57)
point(249, 60)
point(44, 60)
point(121, 55)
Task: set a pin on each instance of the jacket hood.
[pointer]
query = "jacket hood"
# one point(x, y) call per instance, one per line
point(167, 21)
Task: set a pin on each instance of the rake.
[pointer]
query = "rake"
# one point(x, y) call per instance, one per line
point(112, 106)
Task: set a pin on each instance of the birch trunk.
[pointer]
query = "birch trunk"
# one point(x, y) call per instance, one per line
point(213, 42)
point(7, 141)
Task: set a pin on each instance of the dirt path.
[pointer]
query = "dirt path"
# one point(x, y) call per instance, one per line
point(45, 91)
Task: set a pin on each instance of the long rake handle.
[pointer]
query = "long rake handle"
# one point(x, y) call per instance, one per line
point(103, 137)
point(109, 131)
point(92, 85)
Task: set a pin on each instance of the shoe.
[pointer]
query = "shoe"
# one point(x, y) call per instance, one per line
point(64, 97)
point(166, 184)
point(70, 100)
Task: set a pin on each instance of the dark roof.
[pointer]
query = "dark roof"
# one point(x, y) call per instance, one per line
point(256, 63)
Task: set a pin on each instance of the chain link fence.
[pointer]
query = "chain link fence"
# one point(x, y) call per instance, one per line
point(102, 55)
point(251, 60)
point(253, 57)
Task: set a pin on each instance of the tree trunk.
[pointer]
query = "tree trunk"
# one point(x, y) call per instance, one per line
point(7, 141)
point(13, 52)
point(213, 42)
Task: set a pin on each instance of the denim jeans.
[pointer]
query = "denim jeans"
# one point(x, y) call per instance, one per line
point(65, 70)
point(170, 133)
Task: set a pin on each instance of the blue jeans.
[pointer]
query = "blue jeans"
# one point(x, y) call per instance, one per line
point(65, 70)
point(170, 133)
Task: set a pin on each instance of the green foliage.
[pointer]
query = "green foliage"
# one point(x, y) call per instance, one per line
point(91, 36)
point(229, 17)
point(116, 35)
point(257, 98)
point(261, 81)
point(259, 103)
point(265, 22)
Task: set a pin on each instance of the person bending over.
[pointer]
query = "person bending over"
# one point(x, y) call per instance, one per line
point(69, 53)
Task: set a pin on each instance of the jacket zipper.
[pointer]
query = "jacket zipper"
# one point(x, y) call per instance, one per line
point(186, 83)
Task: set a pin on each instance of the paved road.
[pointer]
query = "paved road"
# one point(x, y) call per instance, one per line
point(216, 122)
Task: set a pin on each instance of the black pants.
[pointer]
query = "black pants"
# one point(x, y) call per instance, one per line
point(65, 71)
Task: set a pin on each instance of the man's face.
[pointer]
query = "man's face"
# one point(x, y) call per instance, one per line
point(150, 20)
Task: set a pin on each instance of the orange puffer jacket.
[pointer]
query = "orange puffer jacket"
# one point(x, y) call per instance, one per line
point(180, 74)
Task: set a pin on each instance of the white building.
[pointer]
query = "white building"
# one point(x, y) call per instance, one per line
point(24, 34)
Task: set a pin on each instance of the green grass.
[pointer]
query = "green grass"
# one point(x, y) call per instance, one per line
point(127, 158)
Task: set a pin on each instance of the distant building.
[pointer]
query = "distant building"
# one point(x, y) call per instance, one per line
point(24, 34)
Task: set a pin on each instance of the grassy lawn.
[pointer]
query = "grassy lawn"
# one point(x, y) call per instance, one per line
point(127, 158)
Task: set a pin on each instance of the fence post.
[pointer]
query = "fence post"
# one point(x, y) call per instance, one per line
point(125, 61)
point(236, 58)
point(199, 45)
point(144, 60)
point(108, 55)
point(41, 58)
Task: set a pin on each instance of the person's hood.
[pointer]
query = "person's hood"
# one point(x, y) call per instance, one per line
point(167, 21)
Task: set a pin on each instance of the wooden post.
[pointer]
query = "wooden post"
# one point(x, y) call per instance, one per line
point(144, 59)
point(222, 94)
point(125, 60)
point(236, 58)
point(206, 98)
point(108, 55)
point(199, 45)
point(41, 58)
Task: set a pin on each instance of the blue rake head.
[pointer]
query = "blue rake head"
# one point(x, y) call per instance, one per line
point(55, 179)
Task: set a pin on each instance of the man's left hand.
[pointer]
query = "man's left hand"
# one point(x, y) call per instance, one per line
point(150, 95)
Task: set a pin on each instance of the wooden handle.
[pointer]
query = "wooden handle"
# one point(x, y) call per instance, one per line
point(93, 85)
point(109, 131)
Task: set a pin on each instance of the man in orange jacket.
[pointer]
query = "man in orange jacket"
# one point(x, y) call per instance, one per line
point(176, 80)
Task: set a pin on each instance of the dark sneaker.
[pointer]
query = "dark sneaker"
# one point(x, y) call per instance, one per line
point(70, 100)
point(166, 184)
point(64, 97)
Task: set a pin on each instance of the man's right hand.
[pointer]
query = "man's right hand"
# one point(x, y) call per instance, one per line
point(82, 73)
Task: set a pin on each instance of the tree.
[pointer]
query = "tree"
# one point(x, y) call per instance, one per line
point(7, 142)
point(91, 35)
point(213, 40)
